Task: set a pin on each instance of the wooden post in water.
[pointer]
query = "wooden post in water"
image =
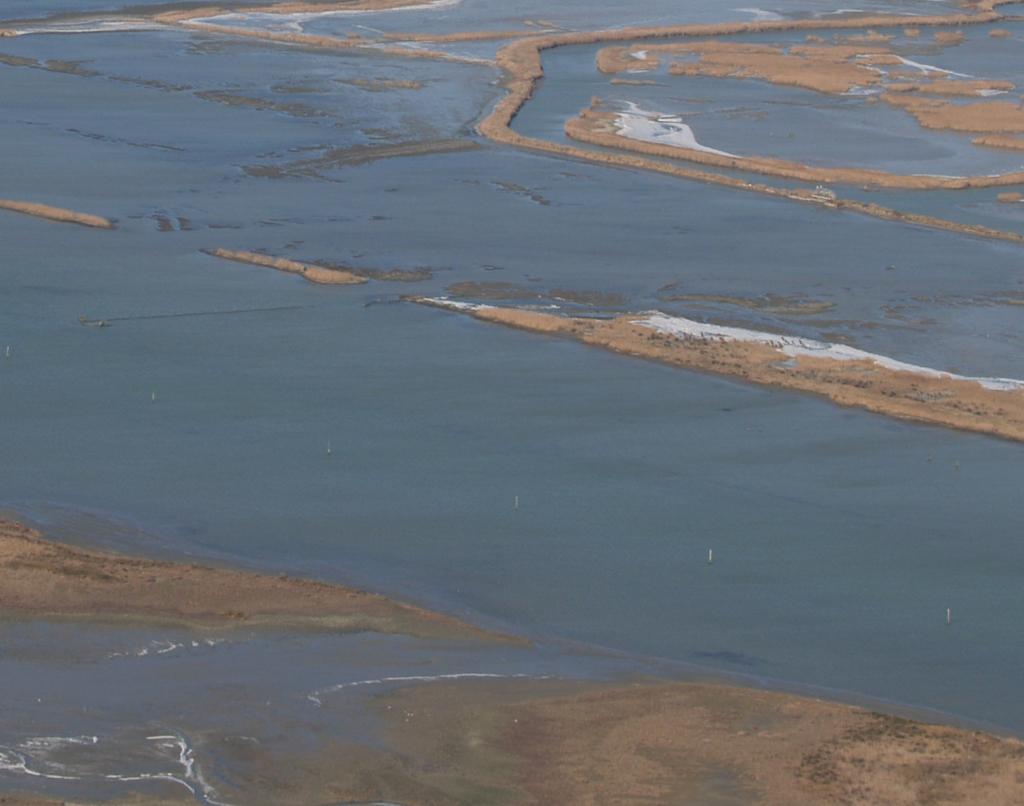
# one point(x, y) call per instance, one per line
point(515, 503)
point(711, 556)
point(949, 615)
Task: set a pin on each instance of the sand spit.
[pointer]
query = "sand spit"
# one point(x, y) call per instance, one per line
point(609, 129)
point(44, 579)
point(1000, 141)
point(843, 374)
point(312, 272)
point(947, 86)
point(56, 214)
point(994, 117)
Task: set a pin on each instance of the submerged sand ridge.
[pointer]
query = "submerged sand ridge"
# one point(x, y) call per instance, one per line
point(844, 375)
point(56, 214)
point(43, 579)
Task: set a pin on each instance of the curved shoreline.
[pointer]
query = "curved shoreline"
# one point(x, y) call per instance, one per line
point(843, 375)
point(44, 579)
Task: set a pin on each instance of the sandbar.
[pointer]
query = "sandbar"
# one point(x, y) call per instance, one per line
point(42, 579)
point(1000, 141)
point(311, 271)
point(56, 214)
point(842, 374)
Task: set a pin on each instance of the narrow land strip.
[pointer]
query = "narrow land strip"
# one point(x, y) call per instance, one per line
point(41, 579)
point(843, 375)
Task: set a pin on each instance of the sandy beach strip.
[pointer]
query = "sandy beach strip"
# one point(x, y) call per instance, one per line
point(41, 579)
point(844, 375)
point(310, 271)
point(56, 214)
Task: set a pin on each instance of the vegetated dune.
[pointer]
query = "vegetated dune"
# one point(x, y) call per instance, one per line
point(842, 374)
point(599, 127)
point(44, 579)
point(56, 214)
point(312, 272)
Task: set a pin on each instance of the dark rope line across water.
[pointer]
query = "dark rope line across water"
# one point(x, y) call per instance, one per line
point(103, 322)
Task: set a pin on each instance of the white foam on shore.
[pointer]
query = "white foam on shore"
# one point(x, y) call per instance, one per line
point(100, 25)
point(931, 68)
point(315, 696)
point(638, 124)
point(21, 758)
point(760, 14)
point(791, 346)
point(796, 347)
point(295, 20)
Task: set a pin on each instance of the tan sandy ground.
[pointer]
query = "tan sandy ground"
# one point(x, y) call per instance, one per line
point(526, 743)
point(948, 38)
point(950, 86)
point(1000, 141)
point(598, 127)
point(824, 68)
point(312, 272)
point(56, 214)
point(950, 402)
point(999, 117)
point(43, 579)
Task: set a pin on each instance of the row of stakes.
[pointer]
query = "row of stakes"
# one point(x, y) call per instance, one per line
point(711, 560)
point(515, 505)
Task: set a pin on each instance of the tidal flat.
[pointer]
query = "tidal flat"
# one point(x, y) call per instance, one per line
point(795, 601)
